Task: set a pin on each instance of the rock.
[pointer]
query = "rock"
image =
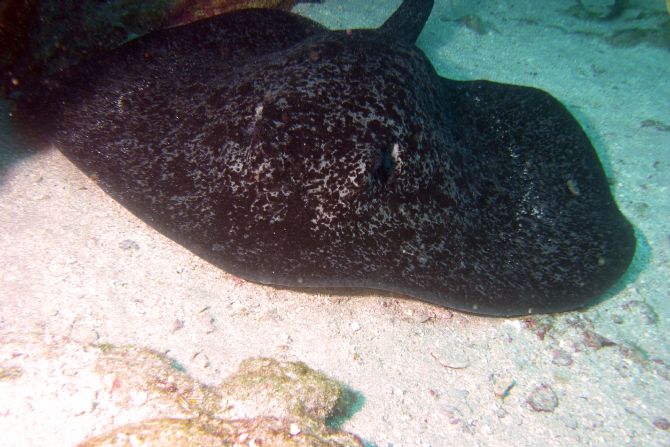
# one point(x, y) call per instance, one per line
point(127, 395)
point(264, 386)
point(266, 402)
point(542, 398)
point(259, 431)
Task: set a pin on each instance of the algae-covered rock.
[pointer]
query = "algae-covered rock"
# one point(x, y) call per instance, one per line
point(117, 396)
point(264, 386)
point(134, 376)
point(259, 431)
point(266, 402)
point(260, 387)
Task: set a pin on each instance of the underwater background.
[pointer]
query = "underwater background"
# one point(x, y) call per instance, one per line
point(82, 277)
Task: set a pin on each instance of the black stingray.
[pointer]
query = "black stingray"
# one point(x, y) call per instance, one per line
point(289, 154)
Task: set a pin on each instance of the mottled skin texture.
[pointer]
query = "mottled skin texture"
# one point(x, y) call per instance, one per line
point(288, 154)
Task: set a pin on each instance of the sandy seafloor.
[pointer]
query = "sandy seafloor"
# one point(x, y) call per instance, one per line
point(76, 267)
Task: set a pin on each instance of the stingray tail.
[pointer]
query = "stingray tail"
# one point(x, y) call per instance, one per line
point(407, 22)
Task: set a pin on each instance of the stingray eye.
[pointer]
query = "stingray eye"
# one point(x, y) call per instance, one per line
point(385, 166)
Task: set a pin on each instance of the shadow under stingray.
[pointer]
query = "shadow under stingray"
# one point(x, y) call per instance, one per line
point(13, 149)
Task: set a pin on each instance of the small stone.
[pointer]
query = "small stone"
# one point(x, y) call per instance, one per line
point(294, 429)
point(500, 412)
point(201, 360)
point(572, 424)
point(662, 423)
point(661, 368)
point(355, 327)
point(398, 392)
point(644, 312)
point(128, 244)
point(596, 341)
point(540, 325)
point(542, 399)
point(83, 334)
point(207, 322)
point(177, 324)
point(561, 357)
point(82, 402)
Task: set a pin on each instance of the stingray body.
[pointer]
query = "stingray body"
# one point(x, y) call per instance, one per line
point(289, 154)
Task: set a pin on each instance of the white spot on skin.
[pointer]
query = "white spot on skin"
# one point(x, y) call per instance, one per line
point(258, 114)
point(119, 104)
point(394, 153)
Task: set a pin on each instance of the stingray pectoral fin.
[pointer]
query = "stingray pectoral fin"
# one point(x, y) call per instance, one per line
point(554, 237)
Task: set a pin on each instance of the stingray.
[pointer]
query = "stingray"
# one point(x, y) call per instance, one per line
point(289, 154)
